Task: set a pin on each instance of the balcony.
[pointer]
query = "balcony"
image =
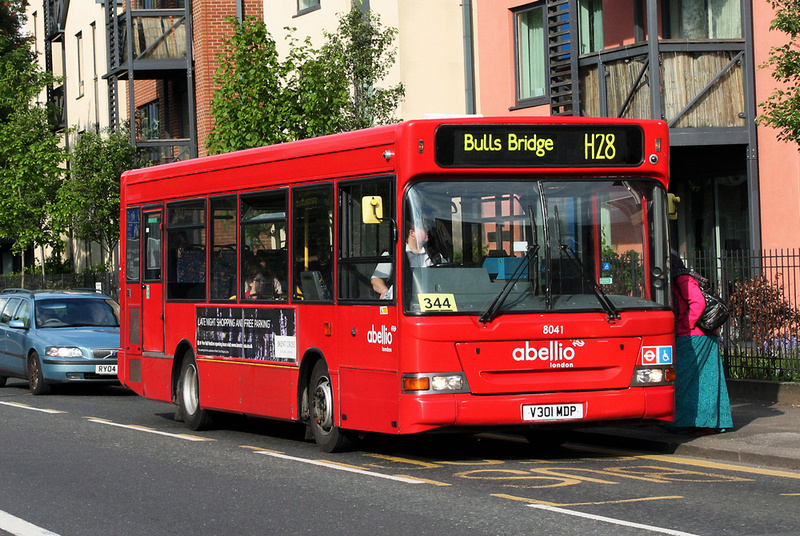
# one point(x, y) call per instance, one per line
point(702, 84)
point(154, 33)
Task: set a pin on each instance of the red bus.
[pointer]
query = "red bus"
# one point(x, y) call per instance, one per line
point(461, 273)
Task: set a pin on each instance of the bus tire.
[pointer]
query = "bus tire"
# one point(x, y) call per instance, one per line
point(35, 376)
point(189, 396)
point(328, 436)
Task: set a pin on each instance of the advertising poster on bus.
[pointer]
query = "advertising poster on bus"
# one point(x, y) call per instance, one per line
point(247, 333)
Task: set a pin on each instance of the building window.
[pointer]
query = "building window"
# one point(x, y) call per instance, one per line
point(531, 56)
point(590, 25)
point(705, 19)
point(304, 6)
point(79, 58)
point(148, 123)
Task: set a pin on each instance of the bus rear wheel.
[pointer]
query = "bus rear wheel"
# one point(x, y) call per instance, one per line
point(328, 436)
point(189, 397)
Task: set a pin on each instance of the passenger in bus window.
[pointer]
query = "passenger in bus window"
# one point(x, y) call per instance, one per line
point(260, 286)
point(419, 254)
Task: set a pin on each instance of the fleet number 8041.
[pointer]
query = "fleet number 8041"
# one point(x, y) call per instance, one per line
point(551, 329)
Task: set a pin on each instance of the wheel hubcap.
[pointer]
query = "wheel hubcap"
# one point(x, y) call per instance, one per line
point(322, 408)
point(33, 373)
point(189, 390)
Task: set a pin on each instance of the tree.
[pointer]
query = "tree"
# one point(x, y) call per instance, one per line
point(262, 99)
point(88, 200)
point(782, 109)
point(249, 106)
point(362, 49)
point(30, 152)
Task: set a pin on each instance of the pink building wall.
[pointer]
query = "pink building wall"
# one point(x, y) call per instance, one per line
point(778, 162)
point(495, 59)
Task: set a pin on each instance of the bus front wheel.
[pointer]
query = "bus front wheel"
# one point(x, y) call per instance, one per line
point(189, 396)
point(328, 436)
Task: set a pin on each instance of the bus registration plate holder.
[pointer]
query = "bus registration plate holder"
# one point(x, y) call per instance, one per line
point(552, 412)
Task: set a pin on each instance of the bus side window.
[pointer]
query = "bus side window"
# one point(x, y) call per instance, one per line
point(223, 247)
point(366, 245)
point(265, 247)
point(186, 250)
point(312, 242)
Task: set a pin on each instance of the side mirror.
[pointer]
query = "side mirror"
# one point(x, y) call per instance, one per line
point(371, 209)
point(17, 324)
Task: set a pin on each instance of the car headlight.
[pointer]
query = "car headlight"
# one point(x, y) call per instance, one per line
point(63, 351)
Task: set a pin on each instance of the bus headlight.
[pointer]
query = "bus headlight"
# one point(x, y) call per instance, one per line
point(447, 383)
point(435, 383)
point(650, 376)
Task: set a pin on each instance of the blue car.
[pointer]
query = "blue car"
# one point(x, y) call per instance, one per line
point(51, 337)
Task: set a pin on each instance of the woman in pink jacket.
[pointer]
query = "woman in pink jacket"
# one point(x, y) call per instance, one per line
point(702, 405)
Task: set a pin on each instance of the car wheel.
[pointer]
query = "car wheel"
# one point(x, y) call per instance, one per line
point(328, 436)
point(189, 396)
point(35, 377)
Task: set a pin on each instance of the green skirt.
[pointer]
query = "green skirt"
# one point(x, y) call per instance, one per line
point(701, 396)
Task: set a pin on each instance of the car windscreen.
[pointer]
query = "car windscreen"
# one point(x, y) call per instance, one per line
point(76, 312)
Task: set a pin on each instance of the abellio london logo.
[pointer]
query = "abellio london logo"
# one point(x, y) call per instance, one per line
point(558, 353)
point(382, 336)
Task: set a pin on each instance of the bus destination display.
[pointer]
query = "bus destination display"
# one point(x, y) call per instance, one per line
point(539, 145)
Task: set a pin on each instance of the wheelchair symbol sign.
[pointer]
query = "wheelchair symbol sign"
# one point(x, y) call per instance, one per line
point(656, 355)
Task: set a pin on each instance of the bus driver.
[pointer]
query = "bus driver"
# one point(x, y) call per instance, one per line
point(419, 252)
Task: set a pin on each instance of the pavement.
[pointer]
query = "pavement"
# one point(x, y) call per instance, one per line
point(766, 430)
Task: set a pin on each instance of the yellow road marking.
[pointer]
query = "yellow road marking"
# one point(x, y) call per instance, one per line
point(618, 501)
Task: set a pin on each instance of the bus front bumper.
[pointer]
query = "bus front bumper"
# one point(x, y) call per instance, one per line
point(421, 413)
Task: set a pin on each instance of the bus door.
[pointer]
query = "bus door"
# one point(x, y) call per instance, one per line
point(152, 288)
point(367, 313)
point(131, 336)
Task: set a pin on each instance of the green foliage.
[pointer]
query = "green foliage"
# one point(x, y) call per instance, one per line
point(12, 15)
point(361, 48)
point(30, 176)
point(88, 200)
point(250, 104)
point(262, 99)
point(53, 264)
point(30, 153)
point(782, 108)
point(761, 310)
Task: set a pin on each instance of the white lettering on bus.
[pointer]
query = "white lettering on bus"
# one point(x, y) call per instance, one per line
point(381, 336)
point(554, 351)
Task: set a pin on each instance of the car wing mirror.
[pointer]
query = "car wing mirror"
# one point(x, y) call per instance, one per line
point(18, 324)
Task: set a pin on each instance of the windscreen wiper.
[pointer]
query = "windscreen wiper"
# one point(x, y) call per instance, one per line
point(548, 260)
point(611, 311)
point(494, 307)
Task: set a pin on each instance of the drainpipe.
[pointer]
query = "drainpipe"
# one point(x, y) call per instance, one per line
point(240, 11)
point(469, 59)
point(655, 67)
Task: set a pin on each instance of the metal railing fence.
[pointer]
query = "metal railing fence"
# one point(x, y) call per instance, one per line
point(108, 282)
point(762, 288)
